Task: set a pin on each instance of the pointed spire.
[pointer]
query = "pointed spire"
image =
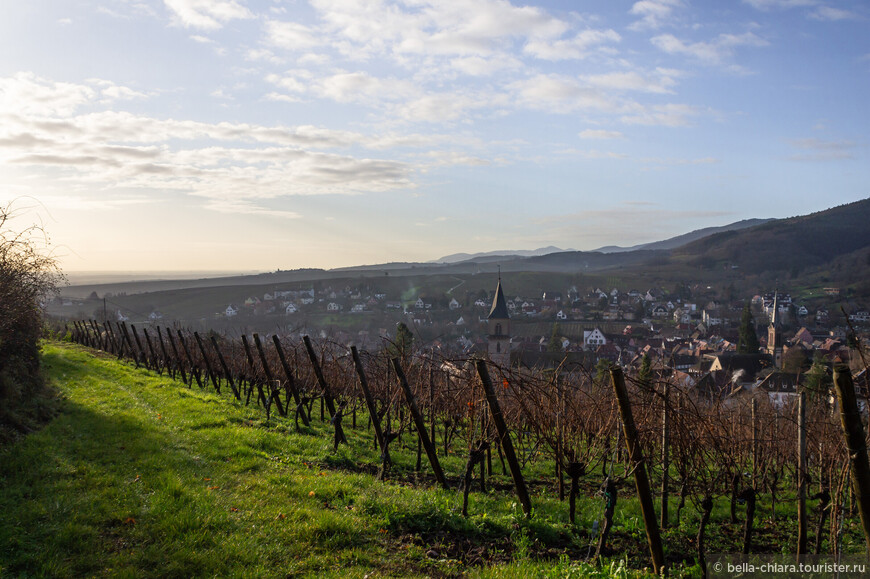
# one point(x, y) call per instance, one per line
point(775, 308)
point(499, 304)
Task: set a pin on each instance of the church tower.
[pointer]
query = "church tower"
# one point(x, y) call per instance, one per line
point(774, 335)
point(499, 329)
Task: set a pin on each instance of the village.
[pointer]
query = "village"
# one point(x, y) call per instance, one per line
point(690, 334)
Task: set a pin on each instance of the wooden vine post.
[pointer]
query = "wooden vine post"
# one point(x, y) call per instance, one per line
point(504, 439)
point(205, 361)
point(327, 395)
point(853, 431)
point(226, 370)
point(274, 393)
point(640, 475)
point(666, 455)
point(802, 474)
point(291, 381)
point(194, 371)
point(420, 424)
point(370, 402)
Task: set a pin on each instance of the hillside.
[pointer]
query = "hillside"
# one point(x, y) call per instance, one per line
point(681, 240)
point(787, 245)
point(141, 476)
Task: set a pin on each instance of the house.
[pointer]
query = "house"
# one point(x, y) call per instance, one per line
point(155, 315)
point(333, 307)
point(291, 309)
point(861, 316)
point(358, 308)
point(660, 311)
point(593, 338)
point(231, 311)
point(560, 315)
point(454, 305)
point(780, 387)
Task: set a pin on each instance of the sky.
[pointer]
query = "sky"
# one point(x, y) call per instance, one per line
point(243, 135)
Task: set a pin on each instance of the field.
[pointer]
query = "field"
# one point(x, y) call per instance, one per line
point(141, 475)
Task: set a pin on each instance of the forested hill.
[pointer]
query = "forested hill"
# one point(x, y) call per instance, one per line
point(795, 243)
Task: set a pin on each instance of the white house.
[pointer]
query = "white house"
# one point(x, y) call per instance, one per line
point(560, 315)
point(454, 305)
point(333, 307)
point(231, 311)
point(291, 309)
point(593, 338)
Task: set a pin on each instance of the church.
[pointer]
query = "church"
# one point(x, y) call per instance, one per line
point(499, 329)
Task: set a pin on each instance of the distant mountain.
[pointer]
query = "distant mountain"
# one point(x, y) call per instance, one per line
point(681, 240)
point(457, 257)
point(792, 245)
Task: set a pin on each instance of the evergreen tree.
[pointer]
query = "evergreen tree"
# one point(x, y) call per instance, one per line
point(555, 343)
point(404, 340)
point(644, 375)
point(748, 339)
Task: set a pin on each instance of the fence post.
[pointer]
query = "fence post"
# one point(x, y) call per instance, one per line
point(639, 466)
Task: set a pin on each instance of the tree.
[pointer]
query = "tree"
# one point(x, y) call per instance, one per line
point(28, 277)
point(401, 347)
point(747, 342)
point(644, 375)
point(555, 343)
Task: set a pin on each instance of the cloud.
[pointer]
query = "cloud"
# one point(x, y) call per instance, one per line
point(820, 150)
point(782, 4)
point(715, 52)
point(668, 115)
point(291, 36)
point(661, 83)
point(206, 14)
point(830, 14)
point(225, 163)
point(600, 134)
point(579, 46)
point(653, 14)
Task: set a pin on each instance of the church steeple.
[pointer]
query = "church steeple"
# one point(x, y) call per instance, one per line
point(774, 334)
point(499, 328)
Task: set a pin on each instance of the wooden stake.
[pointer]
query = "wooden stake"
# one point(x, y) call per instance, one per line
point(639, 466)
point(802, 474)
point(504, 439)
point(853, 431)
point(421, 425)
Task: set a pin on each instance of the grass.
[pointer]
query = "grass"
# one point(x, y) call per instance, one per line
point(141, 476)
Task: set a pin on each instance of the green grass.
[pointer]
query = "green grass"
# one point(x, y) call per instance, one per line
point(139, 475)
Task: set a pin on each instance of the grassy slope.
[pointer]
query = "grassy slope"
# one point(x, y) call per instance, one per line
point(140, 476)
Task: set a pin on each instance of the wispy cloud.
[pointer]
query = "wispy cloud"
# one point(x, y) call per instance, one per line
point(831, 14)
point(653, 14)
point(715, 52)
point(813, 149)
point(206, 14)
point(600, 134)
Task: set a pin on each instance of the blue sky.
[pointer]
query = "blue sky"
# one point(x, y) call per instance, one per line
point(256, 135)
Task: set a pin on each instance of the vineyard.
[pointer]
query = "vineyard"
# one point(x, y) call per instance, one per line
point(570, 432)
